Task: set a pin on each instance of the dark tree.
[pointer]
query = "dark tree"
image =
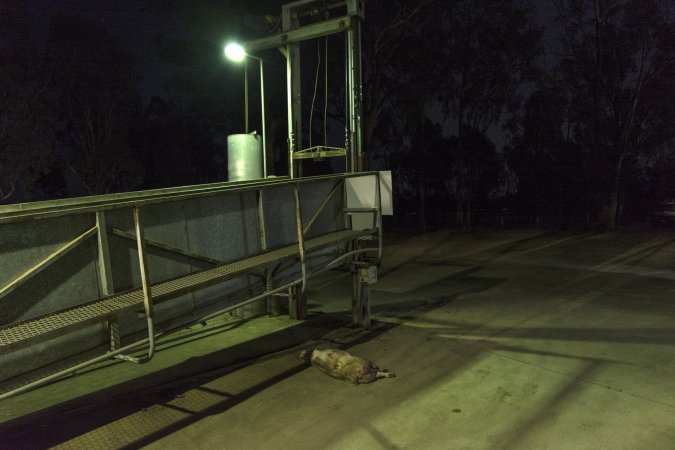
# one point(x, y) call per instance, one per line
point(476, 171)
point(175, 146)
point(204, 83)
point(617, 67)
point(25, 132)
point(394, 32)
point(411, 81)
point(490, 51)
point(95, 81)
point(552, 173)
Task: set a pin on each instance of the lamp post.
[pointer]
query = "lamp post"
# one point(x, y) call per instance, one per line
point(235, 52)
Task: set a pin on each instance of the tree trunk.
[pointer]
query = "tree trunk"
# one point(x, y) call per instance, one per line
point(421, 207)
point(460, 209)
point(463, 173)
point(273, 156)
point(369, 122)
point(613, 203)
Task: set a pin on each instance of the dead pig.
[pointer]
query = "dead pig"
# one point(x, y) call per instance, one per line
point(342, 365)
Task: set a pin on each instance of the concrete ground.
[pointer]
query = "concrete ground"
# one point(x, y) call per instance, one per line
point(520, 340)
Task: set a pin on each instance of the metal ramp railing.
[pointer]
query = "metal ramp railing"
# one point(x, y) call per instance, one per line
point(30, 331)
point(37, 333)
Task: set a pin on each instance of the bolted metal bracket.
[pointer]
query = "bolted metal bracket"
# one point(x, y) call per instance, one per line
point(368, 274)
point(363, 275)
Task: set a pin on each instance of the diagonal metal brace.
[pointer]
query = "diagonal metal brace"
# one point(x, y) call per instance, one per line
point(39, 267)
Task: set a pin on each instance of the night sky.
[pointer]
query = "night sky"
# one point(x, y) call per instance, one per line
point(132, 23)
point(138, 28)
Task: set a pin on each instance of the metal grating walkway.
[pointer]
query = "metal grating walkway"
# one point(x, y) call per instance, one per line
point(22, 333)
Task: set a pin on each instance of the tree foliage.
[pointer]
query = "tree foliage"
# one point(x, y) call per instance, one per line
point(175, 146)
point(617, 67)
point(25, 149)
point(462, 62)
point(94, 80)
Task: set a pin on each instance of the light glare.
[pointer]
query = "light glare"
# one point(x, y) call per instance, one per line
point(235, 52)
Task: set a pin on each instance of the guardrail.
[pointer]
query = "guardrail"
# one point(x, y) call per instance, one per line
point(82, 279)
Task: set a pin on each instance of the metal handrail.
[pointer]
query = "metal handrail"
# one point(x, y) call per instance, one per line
point(147, 291)
point(136, 201)
point(120, 351)
point(56, 208)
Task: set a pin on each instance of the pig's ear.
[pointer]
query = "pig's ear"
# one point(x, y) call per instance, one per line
point(303, 355)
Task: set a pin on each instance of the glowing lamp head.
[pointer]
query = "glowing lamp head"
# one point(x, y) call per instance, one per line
point(235, 52)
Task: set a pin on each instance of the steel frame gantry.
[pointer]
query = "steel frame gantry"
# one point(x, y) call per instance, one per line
point(288, 42)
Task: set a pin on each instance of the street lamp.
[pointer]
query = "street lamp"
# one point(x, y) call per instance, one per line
point(236, 53)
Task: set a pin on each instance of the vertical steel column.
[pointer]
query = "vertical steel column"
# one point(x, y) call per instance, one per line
point(289, 95)
point(348, 125)
point(262, 114)
point(297, 303)
point(289, 21)
point(294, 55)
point(246, 94)
point(143, 263)
point(361, 294)
point(105, 276)
point(347, 218)
point(105, 272)
point(354, 88)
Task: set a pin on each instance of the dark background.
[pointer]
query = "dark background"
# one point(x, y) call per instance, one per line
point(558, 113)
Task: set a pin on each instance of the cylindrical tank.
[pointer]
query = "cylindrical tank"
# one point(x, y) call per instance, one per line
point(244, 157)
point(244, 162)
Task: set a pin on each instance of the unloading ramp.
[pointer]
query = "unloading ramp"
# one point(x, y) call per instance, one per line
point(147, 263)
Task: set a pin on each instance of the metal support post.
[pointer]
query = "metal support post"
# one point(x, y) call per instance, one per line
point(246, 95)
point(147, 291)
point(105, 277)
point(297, 303)
point(294, 108)
point(289, 105)
point(262, 113)
point(290, 21)
point(363, 275)
point(353, 52)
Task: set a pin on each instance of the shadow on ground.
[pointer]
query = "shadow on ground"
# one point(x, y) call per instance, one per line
point(73, 418)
